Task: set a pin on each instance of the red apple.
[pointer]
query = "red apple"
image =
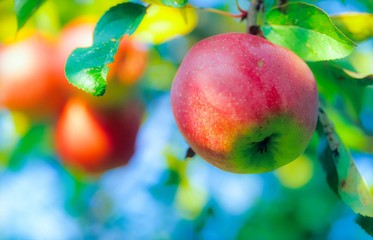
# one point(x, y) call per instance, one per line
point(129, 62)
point(244, 104)
point(26, 78)
point(94, 139)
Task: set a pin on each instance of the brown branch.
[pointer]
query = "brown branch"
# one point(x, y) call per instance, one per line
point(281, 2)
point(329, 131)
point(256, 8)
point(239, 7)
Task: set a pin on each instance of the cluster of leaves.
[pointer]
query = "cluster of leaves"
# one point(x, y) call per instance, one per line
point(320, 39)
point(304, 28)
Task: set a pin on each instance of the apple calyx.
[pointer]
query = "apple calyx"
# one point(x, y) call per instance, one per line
point(262, 146)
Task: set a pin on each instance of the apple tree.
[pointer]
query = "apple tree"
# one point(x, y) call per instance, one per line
point(285, 85)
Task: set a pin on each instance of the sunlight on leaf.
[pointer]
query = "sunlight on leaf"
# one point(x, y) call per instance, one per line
point(24, 10)
point(308, 31)
point(86, 68)
point(348, 130)
point(361, 79)
point(333, 79)
point(161, 24)
point(169, 3)
point(175, 3)
point(357, 26)
point(342, 174)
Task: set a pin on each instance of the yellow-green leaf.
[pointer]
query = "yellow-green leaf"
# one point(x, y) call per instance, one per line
point(169, 3)
point(342, 174)
point(308, 31)
point(24, 10)
point(162, 23)
point(333, 79)
point(357, 26)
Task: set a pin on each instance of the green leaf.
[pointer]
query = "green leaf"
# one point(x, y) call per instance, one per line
point(342, 174)
point(86, 68)
point(357, 26)
point(306, 30)
point(333, 80)
point(365, 223)
point(24, 10)
point(31, 142)
point(360, 79)
point(169, 3)
point(175, 3)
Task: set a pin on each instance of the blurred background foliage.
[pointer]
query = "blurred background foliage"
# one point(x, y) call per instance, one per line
point(158, 194)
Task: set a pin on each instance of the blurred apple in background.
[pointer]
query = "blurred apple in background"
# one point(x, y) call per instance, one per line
point(76, 34)
point(96, 139)
point(129, 62)
point(94, 134)
point(26, 77)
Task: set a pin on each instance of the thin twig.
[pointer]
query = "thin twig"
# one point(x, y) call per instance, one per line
point(239, 7)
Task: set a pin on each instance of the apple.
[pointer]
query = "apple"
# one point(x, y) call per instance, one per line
point(244, 104)
point(92, 139)
point(129, 62)
point(26, 79)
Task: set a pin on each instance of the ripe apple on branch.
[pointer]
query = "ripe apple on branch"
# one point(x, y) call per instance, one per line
point(244, 104)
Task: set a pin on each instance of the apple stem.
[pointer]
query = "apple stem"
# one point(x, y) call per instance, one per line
point(255, 10)
point(190, 153)
point(329, 131)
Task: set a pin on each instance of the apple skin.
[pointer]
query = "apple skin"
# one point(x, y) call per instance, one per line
point(244, 104)
point(129, 62)
point(93, 139)
point(26, 78)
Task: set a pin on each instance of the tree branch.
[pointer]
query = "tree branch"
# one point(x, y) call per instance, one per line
point(281, 2)
point(256, 8)
point(329, 131)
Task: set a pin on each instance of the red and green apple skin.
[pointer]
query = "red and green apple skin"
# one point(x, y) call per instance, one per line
point(244, 104)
